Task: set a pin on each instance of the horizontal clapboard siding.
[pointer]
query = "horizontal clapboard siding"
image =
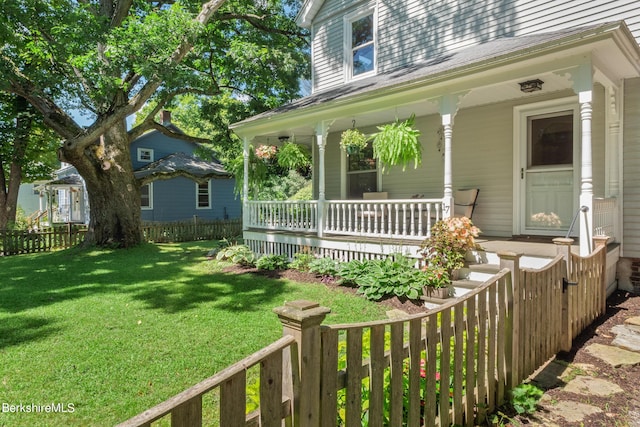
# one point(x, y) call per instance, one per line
point(413, 31)
point(631, 177)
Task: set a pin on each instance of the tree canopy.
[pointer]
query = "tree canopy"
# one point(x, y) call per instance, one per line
point(106, 59)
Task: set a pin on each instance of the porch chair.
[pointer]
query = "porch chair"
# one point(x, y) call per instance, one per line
point(464, 202)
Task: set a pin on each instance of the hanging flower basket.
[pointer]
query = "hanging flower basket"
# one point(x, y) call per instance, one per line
point(353, 141)
point(266, 152)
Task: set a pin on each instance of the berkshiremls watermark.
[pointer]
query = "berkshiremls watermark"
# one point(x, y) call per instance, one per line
point(47, 408)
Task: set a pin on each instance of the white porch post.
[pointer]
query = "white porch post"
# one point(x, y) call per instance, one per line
point(321, 140)
point(245, 183)
point(583, 85)
point(448, 110)
point(613, 152)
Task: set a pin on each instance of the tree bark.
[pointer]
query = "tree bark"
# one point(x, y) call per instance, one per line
point(9, 190)
point(114, 194)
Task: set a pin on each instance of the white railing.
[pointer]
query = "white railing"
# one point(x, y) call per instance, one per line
point(301, 215)
point(399, 218)
point(604, 216)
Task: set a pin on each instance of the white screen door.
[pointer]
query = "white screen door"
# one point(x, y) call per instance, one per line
point(547, 173)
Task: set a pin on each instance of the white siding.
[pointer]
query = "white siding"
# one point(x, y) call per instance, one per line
point(410, 31)
point(631, 162)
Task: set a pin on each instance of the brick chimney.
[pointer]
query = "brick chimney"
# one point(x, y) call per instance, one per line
point(165, 117)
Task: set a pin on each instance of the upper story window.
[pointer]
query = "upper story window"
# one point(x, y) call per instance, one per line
point(145, 155)
point(360, 44)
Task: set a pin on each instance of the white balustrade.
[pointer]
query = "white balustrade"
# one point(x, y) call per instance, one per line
point(400, 218)
point(605, 211)
point(298, 215)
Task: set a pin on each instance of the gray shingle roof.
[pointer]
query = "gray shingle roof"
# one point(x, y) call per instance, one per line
point(181, 164)
point(492, 51)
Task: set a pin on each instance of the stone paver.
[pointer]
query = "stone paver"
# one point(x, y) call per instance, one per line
point(626, 337)
point(614, 356)
point(590, 386)
point(570, 411)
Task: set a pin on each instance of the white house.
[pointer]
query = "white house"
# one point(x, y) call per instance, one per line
point(537, 104)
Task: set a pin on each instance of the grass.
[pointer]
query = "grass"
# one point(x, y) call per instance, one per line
point(116, 332)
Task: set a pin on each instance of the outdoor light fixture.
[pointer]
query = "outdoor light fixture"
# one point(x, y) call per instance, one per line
point(531, 85)
point(283, 138)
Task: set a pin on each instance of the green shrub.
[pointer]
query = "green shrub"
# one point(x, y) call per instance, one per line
point(301, 261)
point(525, 397)
point(324, 267)
point(272, 262)
point(395, 275)
point(238, 254)
point(350, 272)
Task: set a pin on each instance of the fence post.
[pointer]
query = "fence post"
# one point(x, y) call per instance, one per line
point(511, 260)
point(563, 247)
point(601, 242)
point(302, 319)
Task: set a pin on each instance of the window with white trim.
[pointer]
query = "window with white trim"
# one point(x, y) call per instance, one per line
point(203, 195)
point(360, 44)
point(362, 173)
point(145, 155)
point(146, 196)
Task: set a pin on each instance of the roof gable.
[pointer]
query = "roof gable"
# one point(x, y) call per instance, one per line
point(307, 12)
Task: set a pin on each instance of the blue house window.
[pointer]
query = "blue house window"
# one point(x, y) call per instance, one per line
point(146, 196)
point(145, 155)
point(203, 195)
point(360, 44)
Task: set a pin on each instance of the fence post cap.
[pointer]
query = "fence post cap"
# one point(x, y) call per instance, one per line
point(563, 241)
point(301, 311)
point(509, 254)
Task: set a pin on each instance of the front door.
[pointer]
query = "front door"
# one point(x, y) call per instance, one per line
point(547, 171)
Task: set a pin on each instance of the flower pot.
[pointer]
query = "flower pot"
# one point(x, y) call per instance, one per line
point(352, 149)
point(441, 293)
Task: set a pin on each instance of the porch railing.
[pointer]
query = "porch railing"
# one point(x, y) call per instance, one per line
point(398, 218)
point(604, 216)
point(297, 215)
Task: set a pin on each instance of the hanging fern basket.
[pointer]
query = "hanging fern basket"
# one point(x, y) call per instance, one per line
point(397, 144)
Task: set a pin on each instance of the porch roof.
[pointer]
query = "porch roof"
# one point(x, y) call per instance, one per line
point(457, 64)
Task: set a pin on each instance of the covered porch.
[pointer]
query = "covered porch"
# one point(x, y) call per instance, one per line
point(527, 187)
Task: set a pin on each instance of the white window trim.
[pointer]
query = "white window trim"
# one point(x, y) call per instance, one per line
point(151, 155)
point(348, 51)
point(198, 196)
point(150, 207)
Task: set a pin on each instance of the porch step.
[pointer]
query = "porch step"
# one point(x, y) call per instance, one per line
point(478, 272)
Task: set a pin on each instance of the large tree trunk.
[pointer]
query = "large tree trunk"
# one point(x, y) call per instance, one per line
point(114, 194)
point(9, 190)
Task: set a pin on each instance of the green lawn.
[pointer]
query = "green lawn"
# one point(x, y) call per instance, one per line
point(115, 332)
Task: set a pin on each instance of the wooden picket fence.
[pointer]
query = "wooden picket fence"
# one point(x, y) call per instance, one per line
point(16, 242)
point(452, 365)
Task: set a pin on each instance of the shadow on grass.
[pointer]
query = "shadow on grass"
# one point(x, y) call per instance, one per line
point(161, 276)
point(235, 293)
point(19, 329)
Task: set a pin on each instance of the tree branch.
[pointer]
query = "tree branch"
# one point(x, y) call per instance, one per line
point(184, 137)
point(257, 22)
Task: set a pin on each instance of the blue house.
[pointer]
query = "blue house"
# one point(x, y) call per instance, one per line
point(175, 184)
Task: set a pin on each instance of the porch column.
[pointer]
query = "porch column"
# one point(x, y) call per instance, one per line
point(448, 109)
point(613, 150)
point(245, 183)
point(321, 139)
point(583, 85)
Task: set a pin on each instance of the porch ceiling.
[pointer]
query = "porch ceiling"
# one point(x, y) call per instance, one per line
point(479, 76)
